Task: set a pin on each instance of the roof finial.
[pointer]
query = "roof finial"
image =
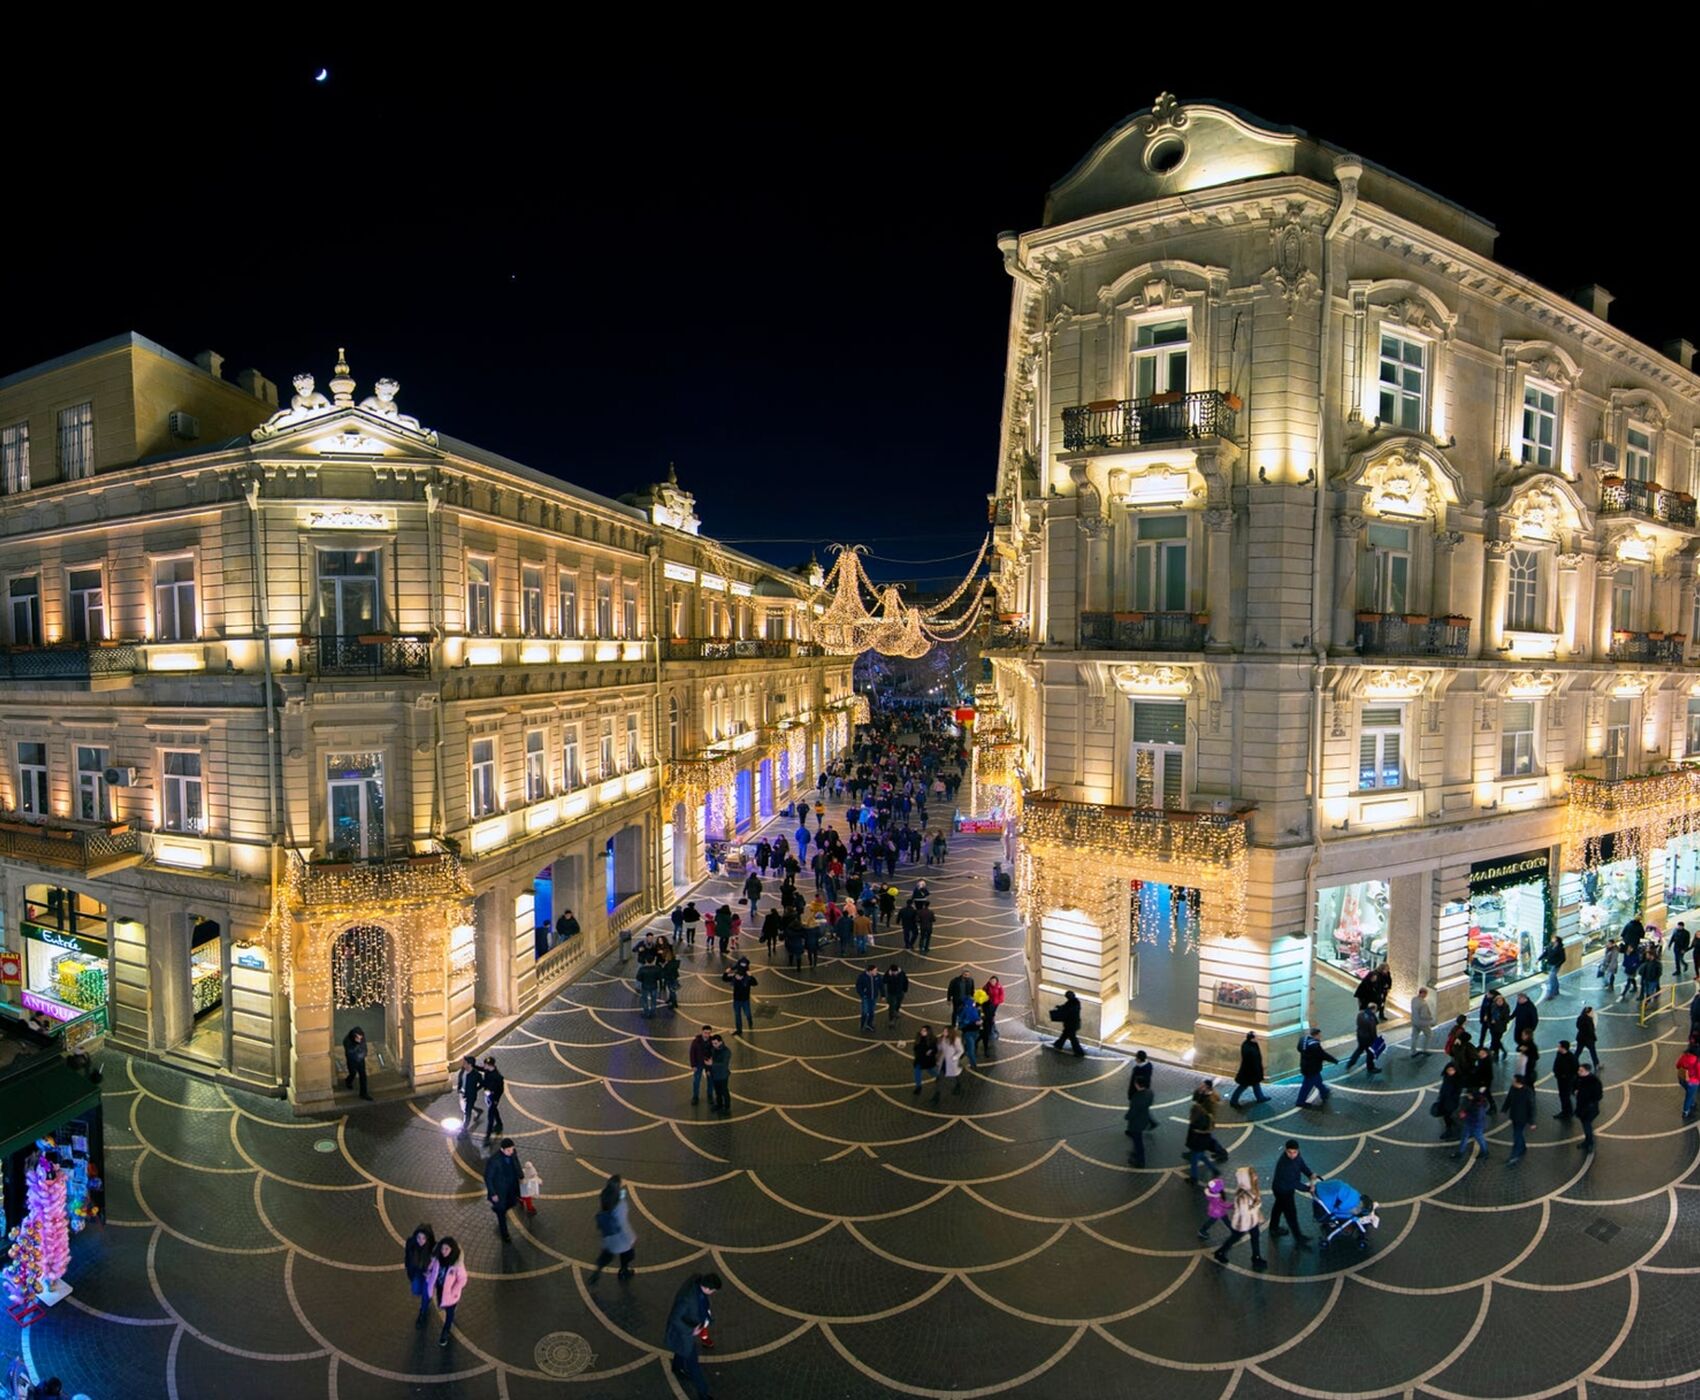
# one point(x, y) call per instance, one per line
point(672, 475)
point(342, 383)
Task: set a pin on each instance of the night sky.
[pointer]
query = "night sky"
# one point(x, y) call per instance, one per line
point(780, 275)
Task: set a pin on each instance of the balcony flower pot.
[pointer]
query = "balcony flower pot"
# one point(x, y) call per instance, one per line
point(1454, 620)
point(1233, 401)
point(1171, 396)
point(1202, 619)
point(1612, 480)
point(372, 639)
point(1415, 618)
point(1655, 636)
point(1128, 616)
point(1103, 405)
point(1367, 616)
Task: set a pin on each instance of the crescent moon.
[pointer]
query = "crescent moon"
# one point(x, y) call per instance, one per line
point(321, 75)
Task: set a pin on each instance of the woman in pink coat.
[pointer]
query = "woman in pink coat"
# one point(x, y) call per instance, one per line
point(444, 1281)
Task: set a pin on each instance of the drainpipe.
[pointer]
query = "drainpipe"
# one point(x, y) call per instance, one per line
point(655, 882)
point(433, 541)
point(257, 542)
point(1347, 170)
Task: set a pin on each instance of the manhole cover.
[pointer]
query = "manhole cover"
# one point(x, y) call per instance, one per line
point(1603, 1231)
point(564, 1354)
point(325, 1145)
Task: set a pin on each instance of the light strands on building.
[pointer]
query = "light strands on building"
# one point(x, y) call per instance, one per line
point(1639, 814)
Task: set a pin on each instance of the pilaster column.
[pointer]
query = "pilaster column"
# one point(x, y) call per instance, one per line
point(1570, 639)
point(1605, 570)
point(1218, 579)
point(1498, 556)
point(1347, 529)
point(1445, 543)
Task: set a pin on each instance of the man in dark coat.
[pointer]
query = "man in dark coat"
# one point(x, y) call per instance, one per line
point(924, 921)
point(720, 1076)
point(1312, 1057)
point(1368, 1029)
point(354, 1049)
point(869, 986)
point(1291, 1170)
point(494, 1087)
point(1068, 1018)
point(1564, 1066)
point(961, 989)
point(896, 988)
point(1520, 1110)
point(501, 1184)
point(1446, 1103)
point(567, 926)
point(1589, 1091)
point(1139, 1119)
point(1524, 1017)
point(908, 918)
point(1680, 938)
point(1250, 1074)
point(742, 982)
point(690, 1314)
point(469, 1084)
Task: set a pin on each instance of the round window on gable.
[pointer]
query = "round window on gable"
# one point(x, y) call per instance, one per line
point(1164, 155)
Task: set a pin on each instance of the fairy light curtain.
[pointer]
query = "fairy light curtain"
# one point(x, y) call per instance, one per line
point(1638, 814)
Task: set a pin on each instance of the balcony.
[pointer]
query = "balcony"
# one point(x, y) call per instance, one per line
point(400, 880)
point(1625, 496)
point(1658, 648)
point(88, 663)
point(1143, 631)
point(373, 655)
point(1395, 634)
point(89, 848)
point(1120, 425)
point(1009, 636)
point(728, 649)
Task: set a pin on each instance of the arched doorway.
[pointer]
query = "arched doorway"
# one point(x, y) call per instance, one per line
point(362, 982)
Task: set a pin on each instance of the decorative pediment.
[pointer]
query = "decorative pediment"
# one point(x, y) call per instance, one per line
point(1406, 303)
point(1630, 545)
point(1542, 506)
point(1405, 478)
point(1530, 685)
point(1169, 282)
point(1390, 683)
point(1152, 680)
point(1545, 360)
point(343, 420)
point(1640, 404)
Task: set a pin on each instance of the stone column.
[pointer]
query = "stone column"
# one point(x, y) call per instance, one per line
point(1498, 559)
point(1445, 543)
point(1604, 571)
point(1347, 529)
point(1570, 639)
point(1219, 578)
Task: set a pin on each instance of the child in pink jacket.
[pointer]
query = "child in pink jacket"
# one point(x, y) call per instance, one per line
point(1218, 1204)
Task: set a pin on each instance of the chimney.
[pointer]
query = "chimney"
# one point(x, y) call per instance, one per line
point(258, 385)
point(1593, 298)
point(212, 362)
point(1682, 351)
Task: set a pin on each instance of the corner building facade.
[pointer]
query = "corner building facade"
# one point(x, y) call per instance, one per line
point(313, 718)
point(1346, 588)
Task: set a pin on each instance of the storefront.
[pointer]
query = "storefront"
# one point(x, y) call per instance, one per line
point(1510, 917)
point(47, 1104)
point(66, 953)
point(1609, 893)
point(1682, 873)
point(1351, 926)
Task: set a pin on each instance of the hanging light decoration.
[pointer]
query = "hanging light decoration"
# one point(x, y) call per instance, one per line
point(846, 626)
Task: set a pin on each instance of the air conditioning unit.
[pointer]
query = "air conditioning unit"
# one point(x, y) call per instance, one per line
point(184, 425)
point(123, 777)
point(1602, 454)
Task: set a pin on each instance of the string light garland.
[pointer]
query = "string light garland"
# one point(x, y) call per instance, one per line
point(690, 780)
point(1639, 815)
point(846, 627)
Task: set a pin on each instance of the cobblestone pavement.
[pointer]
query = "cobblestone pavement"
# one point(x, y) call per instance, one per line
point(872, 1242)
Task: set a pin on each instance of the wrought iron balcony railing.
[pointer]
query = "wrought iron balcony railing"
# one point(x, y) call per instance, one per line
point(730, 649)
point(92, 848)
point(73, 661)
point(1008, 636)
point(1127, 423)
point(1620, 495)
point(1657, 647)
point(1391, 634)
point(1143, 631)
point(328, 655)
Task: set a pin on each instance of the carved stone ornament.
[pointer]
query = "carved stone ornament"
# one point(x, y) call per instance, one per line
point(382, 402)
point(1390, 684)
point(1549, 369)
point(1166, 113)
point(1445, 541)
point(1537, 514)
point(308, 403)
point(1396, 485)
point(1530, 685)
point(1633, 547)
point(1413, 313)
point(1152, 680)
point(1289, 276)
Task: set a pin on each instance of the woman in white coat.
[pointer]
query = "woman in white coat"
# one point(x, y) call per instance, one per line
point(950, 1063)
point(1246, 1218)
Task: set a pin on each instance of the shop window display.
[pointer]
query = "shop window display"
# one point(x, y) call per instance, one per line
point(1351, 926)
point(1610, 896)
point(206, 973)
point(1510, 916)
point(1682, 874)
point(65, 953)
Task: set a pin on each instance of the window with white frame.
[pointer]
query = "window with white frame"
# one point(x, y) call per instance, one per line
point(1160, 358)
point(1403, 382)
point(536, 767)
point(1623, 601)
point(1539, 440)
point(1158, 754)
point(1638, 454)
point(76, 442)
point(15, 458)
point(1381, 734)
point(1159, 564)
point(605, 752)
point(634, 749)
point(567, 602)
point(24, 598)
point(181, 799)
point(604, 607)
point(1516, 738)
point(94, 802)
point(629, 608)
point(672, 727)
point(1522, 595)
point(1618, 716)
point(531, 599)
point(32, 778)
point(479, 597)
point(482, 793)
point(87, 598)
point(174, 600)
point(1692, 748)
point(1388, 578)
point(572, 775)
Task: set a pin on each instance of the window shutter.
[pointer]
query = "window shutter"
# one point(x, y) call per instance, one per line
point(1517, 715)
point(1385, 718)
point(1159, 722)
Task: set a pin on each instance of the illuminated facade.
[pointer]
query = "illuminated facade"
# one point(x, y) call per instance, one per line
point(1314, 521)
point(246, 808)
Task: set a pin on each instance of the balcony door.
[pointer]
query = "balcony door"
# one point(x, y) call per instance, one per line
point(356, 804)
point(348, 592)
point(1157, 757)
point(1160, 358)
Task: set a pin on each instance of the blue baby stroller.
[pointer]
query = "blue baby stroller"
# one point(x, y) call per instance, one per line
point(1339, 1208)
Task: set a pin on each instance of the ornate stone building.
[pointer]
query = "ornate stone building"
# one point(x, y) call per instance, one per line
point(313, 717)
point(1346, 590)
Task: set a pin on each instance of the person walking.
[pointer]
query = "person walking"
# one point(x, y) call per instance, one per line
point(924, 921)
point(950, 1063)
point(811, 942)
point(1587, 1036)
point(1139, 1119)
point(968, 1022)
point(1447, 1100)
point(693, 919)
point(702, 1050)
point(669, 965)
point(989, 1011)
point(926, 1055)
point(469, 1085)
point(771, 925)
point(1422, 1024)
point(1525, 1016)
point(495, 1086)
point(501, 1184)
point(445, 1281)
point(1552, 959)
point(1067, 1016)
point(1679, 943)
point(1291, 1172)
point(896, 988)
point(1607, 970)
point(1631, 970)
point(1472, 1122)
point(615, 1228)
point(687, 1323)
point(1480, 1079)
point(1369, 1038)
point(1520, 1111)
point(530, 1188)
point(354, 1052)
point(1495, 1017)
point(723, 926)
point(1218, 1205)
point(1201, 1135)
point(794, 944)
point(908, 919)
point(1652, 972)
point(720, 1077)
point(742, 981)
point(752, 892)
point(1564, 1067)
point(1246, 1218)
point(649, 987)
point(869, 985)
point(863, 927)
point(1589, 1091)
point(1250, 1073)
point(959, 990)
point(416, 1259)
point(1688, 1075)
point(1312, 1057)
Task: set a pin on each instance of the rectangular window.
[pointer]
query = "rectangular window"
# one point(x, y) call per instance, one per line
point(479, 602)
point(634, 750)
point(93, 802)
point(606, 755)
point(1540, 425)
point(25, 600)
point(174, 600)
point(531, 600)
point(629, 609)
point(1516, 738)
point(1404, 402)
point(15, 458)
point(1617, 740)
point(1159, 753)
point(1390, 568)
point(355, 797)
point(572, 776)
point(604, 607)
point(483, 792)
point(1692, 748)
point(1160, 359)
point(1638, 455)
point(181, 806)
point(76, 442)
point(569, 605)
point(1623, 601)
point(1380, 748)
point(536, 767)
point(1159, 564)
point(88, 606)
point(1521, 598)
point(32, 778)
